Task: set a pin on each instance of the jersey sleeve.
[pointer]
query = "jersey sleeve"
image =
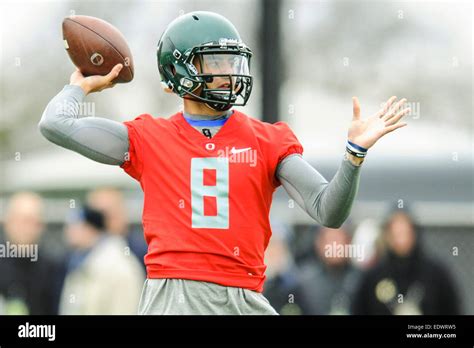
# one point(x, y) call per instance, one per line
point(133, 164)
point(286, 144)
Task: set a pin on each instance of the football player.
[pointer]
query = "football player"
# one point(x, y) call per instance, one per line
point(209, 172)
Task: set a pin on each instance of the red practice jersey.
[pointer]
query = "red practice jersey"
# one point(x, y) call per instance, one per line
point(207, 201)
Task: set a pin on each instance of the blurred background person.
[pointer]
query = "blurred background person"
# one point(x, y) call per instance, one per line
point(111, 203)
point(101, 277)
point(28, 285)
point(283, 284)
point(407, 280)
point(367, 236)
point(329, 279)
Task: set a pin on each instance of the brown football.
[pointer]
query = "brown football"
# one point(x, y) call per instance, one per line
point(95, 47)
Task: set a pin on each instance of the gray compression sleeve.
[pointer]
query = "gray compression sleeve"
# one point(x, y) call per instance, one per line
point(328, 203)
point(99, 139)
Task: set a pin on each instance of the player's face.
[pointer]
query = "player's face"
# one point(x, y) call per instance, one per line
point(222, 64)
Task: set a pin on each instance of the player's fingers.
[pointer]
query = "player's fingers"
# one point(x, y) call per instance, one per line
point(386, 106)
point(397, 117)
point(393, 111)
point(393, 127)
point(113, 73)
point(356, 108)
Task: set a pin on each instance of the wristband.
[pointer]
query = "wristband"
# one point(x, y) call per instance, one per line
point(355, 147)
point(356, 154)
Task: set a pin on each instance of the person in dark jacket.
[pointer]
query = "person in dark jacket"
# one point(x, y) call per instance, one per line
point(283, 285)
point(406, 280)
point(29, 281)
point(111, 202)
point(329, 279)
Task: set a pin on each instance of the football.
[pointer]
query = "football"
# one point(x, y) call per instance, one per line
point(95, 47)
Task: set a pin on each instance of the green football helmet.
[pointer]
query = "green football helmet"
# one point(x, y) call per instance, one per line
point(202, 48)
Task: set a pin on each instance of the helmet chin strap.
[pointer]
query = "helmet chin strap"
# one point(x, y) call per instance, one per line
point(212, 106)
point(218, 107)
point(215, 106)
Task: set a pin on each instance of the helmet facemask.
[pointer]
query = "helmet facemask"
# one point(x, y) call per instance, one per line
point(227, 79)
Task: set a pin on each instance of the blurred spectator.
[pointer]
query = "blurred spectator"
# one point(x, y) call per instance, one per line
point(29, 282)
point(367, 236)
point(330, 279)
point(101, 277)
point(282, 286)
point(112, 203)
point(406, 281)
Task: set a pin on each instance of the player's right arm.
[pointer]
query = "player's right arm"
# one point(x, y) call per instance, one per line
point(99, 139)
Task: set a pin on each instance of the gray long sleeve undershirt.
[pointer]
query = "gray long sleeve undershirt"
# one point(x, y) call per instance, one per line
point(106, 141)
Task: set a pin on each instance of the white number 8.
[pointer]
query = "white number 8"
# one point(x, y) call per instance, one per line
point(220, 191)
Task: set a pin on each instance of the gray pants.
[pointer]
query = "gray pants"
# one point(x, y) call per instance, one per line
point(180, 296)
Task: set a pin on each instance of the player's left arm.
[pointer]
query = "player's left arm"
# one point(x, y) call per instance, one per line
point(330, 203)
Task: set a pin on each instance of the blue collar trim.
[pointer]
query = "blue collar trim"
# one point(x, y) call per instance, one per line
point(207, 123)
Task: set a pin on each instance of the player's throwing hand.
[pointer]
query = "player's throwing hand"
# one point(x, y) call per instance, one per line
point(366, 132)
point(95, 83)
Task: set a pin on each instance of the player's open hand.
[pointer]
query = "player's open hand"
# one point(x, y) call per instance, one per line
point(366, 132)
point(95, 83)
